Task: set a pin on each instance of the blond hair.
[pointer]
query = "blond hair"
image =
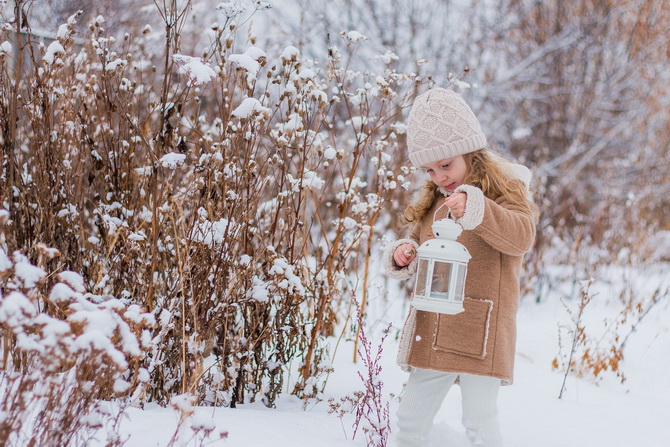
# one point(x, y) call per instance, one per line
point(484, 172)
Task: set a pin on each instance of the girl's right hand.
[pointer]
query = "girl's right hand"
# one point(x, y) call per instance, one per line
point(404, 254)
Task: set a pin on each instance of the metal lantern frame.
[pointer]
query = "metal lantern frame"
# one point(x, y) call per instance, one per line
point(442, 270)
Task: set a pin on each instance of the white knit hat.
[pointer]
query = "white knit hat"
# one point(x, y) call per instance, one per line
point(441, 125)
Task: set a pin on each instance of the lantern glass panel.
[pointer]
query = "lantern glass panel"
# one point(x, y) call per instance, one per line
point(422, 275)
point(440, 281)
point(460, 283)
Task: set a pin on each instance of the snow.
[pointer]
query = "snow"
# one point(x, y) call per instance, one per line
point(521, 133)
point(290, 53)
point(358, 121)
point(14, 308)
point(246, 62)
point(62, 32)
point(143, 375)
point(113, 65)
point(388, 57)
point(330, 153)
point(121, 385)
point(27, 273)
point(249, 426)
point(230, 9)
point(5, 263)
point(605, 414)
point(5, 48)
point(95, 340)
point(183, 402)
point(213, 233)
point(660, 243)
point(461, 85)
point(259, 291)
point(62, 293)
point(101, 324)
point(198, 72)
point(172, 160)
point(248, 107)
point(139, 236)
point(306, 73)
point(310, 180)
point(354, 36)
point(68, 210)
point(54, 50)
point(255, 53)
point(294, 123)
point(73, 279)
point(52, 328)
point(349, 223)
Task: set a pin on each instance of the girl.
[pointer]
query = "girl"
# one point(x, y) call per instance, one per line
point(488, 196)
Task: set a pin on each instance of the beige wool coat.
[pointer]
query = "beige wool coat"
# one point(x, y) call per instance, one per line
point(482, 339)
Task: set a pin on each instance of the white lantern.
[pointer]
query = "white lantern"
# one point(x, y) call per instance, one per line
point(443, 264)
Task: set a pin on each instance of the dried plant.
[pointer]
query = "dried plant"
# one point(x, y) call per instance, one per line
point(200, 431)
point(65, 351)
point(577, 332)
point(593, 355)
point(230, 194)
point(373, 408)
point(370, 407)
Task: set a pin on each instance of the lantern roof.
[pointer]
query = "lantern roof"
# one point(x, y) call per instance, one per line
point(444, 250)
point(444, 247)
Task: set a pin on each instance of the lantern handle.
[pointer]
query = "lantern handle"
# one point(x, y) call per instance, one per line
point(449, 215)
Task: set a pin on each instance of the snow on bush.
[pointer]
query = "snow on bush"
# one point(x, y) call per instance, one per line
point(248, 107)
point(172, 160)
point(62, 353)
point(197, 71)
point(221, 192)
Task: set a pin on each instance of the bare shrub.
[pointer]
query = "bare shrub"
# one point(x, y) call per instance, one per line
point(592, 354)
point(228, 193)
point(63, 351)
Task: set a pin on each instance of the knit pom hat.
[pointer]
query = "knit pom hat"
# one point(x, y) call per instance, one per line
point(441, 125)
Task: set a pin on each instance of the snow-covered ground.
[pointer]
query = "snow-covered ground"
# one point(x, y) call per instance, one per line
point(609, 413)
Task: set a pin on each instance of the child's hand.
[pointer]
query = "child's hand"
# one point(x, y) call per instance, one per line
point(456, 204)
point(404, 254)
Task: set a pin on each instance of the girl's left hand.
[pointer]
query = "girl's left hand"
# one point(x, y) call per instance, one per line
point(456, 204)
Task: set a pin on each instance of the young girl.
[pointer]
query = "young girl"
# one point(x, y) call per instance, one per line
point(488, 196)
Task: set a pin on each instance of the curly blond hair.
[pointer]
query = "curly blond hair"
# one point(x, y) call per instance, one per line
point(484, 172)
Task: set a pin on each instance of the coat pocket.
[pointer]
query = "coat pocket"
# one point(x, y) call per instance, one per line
point(465, 333)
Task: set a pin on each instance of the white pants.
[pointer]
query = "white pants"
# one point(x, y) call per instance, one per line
point(423, 396)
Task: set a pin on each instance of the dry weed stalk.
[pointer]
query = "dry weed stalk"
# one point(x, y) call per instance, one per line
point(591, 356)
point(370, 408)
point(577, 332)
point(373, 408)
